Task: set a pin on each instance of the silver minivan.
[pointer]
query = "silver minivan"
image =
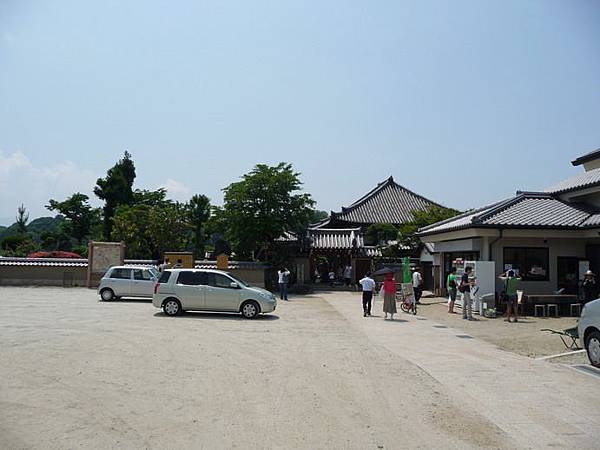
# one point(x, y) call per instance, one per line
point(128, 281)
point(210, 290)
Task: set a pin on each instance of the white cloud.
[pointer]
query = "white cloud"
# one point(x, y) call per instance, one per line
point(177, 190)
point(21, 181)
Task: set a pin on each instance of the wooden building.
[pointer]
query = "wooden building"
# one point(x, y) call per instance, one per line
point(339, 240)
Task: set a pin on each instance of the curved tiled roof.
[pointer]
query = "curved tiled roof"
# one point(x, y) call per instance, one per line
point(594, 154)
point(387, 203)
point(526, 210)
point(581, 181)
point(538, 211)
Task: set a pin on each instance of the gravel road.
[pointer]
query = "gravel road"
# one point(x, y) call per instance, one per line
point(79, 373)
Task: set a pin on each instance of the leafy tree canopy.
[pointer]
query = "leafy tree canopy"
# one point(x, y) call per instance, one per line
point(116, 189)
point(264, 204)
point(318, 216)
point(151, 227)
point(22, 219)
point(198, 213)
point(434, 214)
point(381, 233)
point(78, 212)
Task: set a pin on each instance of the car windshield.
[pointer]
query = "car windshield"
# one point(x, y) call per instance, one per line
point(155, 273)
point(239, 280)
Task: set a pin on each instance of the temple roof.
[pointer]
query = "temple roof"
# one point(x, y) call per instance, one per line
point(388, 202)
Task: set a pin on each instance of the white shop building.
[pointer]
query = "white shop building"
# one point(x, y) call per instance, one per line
point(550, 238)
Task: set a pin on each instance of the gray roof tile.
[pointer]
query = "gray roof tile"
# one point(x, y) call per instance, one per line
point(542, 212)
point(528, 209)
point(581, 181)
point(387, 203)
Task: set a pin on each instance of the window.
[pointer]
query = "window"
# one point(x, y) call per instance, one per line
point(529, 263)
point(164, 277)
point(218, 280)
point(190, 278)
point(123, 274)
point(139, 274)
point(239, 280)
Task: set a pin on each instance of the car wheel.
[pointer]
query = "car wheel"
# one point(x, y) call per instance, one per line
point(250, 310)
point(107, 295)
point(592, 345)
point(171, 307)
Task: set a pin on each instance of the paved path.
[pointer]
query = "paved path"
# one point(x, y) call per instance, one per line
point(78, 373)
point(533, 403)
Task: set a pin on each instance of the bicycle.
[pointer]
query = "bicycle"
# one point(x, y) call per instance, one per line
point(408, 304)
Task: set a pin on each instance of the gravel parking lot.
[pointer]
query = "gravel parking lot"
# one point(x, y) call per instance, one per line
point(79, 373)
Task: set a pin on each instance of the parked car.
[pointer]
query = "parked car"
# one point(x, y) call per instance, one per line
point(589, 331)
point(210, 290)
point(128, 281)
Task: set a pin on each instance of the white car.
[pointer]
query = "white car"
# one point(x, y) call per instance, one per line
point(589, 331)
point(210, 290)
point(128, 281)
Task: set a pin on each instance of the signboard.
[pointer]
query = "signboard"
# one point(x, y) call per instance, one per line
point(101, 257)
point(408, 293)
point(177, 260)
point(222, 262)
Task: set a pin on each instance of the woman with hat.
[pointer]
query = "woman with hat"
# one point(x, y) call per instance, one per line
point(590, 290)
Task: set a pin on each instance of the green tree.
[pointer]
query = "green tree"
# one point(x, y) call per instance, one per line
point(151, 227)
point(115, 189)
point(264, 204)
point(198, 210)
point(318, 216)
point(169, 229)
point(79, 215)
point(130, 225)
point(433, 214)
point(19, 245)
point(22, 219)
point(381, 233)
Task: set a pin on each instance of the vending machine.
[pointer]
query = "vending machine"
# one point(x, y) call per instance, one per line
point(483, 290)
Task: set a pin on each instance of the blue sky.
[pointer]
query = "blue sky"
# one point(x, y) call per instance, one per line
point(480, 96)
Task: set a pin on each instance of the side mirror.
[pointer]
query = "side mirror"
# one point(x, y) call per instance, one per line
point(234, 285)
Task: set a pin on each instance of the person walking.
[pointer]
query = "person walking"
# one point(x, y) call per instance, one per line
point(590, 289)
point(417, 282)
point(511, 284)
point(389, 296)
point(368, 285)
point(465, 289)
point(451, 286)
point(284, 279)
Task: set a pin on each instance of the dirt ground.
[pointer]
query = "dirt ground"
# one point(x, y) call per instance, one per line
point(524, 337)
point(80, 373)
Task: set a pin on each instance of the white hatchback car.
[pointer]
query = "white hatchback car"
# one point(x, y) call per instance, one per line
point(128, 281)
point(210, 290)
point(589, 331)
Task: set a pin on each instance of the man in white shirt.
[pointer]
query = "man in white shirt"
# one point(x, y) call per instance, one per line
point(417, 282)
point(283, 280)
point(368, 286)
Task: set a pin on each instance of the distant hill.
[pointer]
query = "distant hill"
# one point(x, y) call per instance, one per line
point(35, 228)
